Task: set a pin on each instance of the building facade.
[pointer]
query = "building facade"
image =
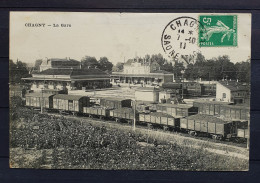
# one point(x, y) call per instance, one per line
point(53, 63)
point(232, 91)
point(142, 73)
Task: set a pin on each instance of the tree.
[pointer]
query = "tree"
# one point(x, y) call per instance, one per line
point(89, 62)
point(177, 68)
point(104, 64)
point(37, 64)
point(18, 71)
point(243, 71)
point(118, 67)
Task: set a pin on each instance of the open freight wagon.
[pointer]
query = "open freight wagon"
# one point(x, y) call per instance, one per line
point(123, 114)
point(209, 125)
point(159, 118)
point(96, 111)
point(70, 103)
point(177, 110)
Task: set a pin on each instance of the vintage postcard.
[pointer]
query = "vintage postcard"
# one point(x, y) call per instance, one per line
point(133, 91)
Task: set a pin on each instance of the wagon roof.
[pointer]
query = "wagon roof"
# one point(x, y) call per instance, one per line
point(176, 105)
point(68, 97)
point(202, 117)
point(39, 94)
point(238, 106)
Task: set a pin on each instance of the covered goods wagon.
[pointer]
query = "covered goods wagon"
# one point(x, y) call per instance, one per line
point(39, 99)
point(235, 112)
point(209, 107)
point(115, 103)
point(71, 103)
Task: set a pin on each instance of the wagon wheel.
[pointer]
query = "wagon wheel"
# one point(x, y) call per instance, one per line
point(219, 137)
point(150, 126)
point(130, 122)
point(165, 128)
point(117, 120)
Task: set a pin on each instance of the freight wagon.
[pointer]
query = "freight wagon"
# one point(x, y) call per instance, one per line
point(210, 125)
point(38, 100)
point(235, 112)
point(115, 103)
point(177, 110)
point(125, 114)
point(160, 118)
point(96, 111)
point(243, 133)
point(209, 107)
point(70, 103)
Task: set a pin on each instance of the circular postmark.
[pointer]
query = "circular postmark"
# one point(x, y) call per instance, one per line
point(180, 38)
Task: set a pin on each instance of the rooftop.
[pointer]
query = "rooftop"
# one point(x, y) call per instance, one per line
point(71, 72)
point(234, 85)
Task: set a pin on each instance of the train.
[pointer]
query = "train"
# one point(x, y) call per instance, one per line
point(217, 120)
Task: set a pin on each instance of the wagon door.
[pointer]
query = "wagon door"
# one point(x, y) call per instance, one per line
point(76, 105)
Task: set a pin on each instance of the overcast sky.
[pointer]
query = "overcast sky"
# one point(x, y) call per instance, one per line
point(114, 35)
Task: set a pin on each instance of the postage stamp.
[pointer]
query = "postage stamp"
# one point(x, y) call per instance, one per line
point(217, 30)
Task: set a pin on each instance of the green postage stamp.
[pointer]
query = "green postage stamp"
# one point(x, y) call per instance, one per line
point(217, 30)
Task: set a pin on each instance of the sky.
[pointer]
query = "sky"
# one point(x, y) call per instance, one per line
point(118, 36)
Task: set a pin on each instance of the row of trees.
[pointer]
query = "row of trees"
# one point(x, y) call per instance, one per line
point(91, 62)
point(217, 69)
point(206, 69)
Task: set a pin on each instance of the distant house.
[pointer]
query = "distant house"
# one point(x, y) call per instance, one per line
point(232, 91)
point(53, 63)
point(147, 94)
point(142, 73)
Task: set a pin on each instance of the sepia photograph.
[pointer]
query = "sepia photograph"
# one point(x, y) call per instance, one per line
point(130, 91)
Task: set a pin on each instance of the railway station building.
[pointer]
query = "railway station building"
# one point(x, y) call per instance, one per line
point(63, 74)
point(142, 73)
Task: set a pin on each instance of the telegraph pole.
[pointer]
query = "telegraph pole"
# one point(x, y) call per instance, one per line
point(42, 101)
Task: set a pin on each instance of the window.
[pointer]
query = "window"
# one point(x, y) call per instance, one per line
point(223, 95)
